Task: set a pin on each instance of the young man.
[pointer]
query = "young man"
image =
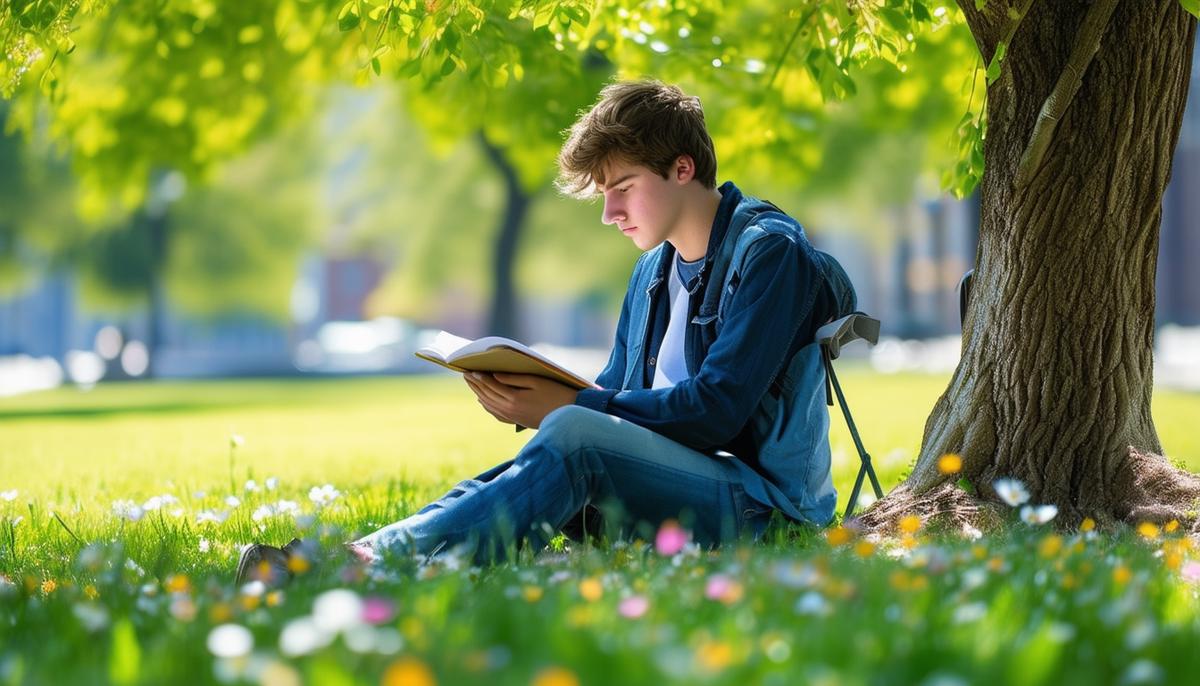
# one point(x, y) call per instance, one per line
point(711, 409)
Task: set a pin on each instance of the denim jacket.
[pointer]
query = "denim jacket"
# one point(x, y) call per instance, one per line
point(756, 386)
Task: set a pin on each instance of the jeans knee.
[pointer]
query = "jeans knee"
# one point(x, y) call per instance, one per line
point(572, 428)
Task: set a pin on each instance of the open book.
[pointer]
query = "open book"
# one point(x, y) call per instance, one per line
point(496, 354)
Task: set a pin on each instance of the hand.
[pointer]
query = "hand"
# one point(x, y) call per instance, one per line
point(523, 399)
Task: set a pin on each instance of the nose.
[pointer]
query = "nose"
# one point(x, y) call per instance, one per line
point(613, 212)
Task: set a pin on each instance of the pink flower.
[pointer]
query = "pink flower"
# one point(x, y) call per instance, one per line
point(1191, 571)
point(633, 607)
point(378, 610)
point(671, 538)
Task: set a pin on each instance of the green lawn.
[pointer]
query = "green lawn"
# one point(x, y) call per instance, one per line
point(95, 598)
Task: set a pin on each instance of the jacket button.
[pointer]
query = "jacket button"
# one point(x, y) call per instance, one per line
point(651, 361)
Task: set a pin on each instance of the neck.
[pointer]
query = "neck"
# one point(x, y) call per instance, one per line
point(695, 223)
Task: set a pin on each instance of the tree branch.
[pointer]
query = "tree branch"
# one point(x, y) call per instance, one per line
point(788, 48)
point(1086, 45)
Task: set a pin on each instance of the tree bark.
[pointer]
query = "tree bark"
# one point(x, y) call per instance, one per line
point(1055, 380)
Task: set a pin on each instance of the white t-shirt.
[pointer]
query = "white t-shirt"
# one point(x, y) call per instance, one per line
point(672, 366)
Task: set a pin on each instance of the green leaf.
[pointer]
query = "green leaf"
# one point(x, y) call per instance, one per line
point(1192, 6)
point(966, 485)
point(895, 19)
point(124, 661)
point(348, 18)
point(375, 66)
point(921, 12)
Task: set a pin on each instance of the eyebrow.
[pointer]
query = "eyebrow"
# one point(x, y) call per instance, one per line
point(619, 181)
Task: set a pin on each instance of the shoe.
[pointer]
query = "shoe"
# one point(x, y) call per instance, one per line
point(266, 563)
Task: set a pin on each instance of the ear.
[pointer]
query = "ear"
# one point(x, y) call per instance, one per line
point(684, 170)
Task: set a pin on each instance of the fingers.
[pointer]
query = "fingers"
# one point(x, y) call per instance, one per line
point(495, 388)
point(485, 390)
point(485, 398)
point(517, 380)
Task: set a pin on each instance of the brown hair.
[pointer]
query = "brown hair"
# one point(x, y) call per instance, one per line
point(648, 123)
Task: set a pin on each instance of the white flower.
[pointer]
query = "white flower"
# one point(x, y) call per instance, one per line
point(277, 508)
point(301, 637)
point(323, 495)
point(252, 486)
point(159, 501)
point(1011, 491)
point(230, 640)
point(812, 603)
point(9, 495)
point(211, 517)
point(236, 440)
point(971, 612)
point(272, 482)
point(337, 610)
point(254, 588)
point(232, 501)
point(16, 520)
point(204, 545)
point(1038, 514)
point(93, 617)
point(127, 509)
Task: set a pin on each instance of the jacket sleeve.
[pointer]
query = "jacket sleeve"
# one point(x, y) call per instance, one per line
point(779, 282)
point(613, 375)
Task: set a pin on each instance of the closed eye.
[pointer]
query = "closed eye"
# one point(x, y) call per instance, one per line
point(626, 188)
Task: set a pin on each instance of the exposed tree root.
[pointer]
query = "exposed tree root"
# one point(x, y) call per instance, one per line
point(1154, 490)
point(1145, 488)
point(946, 507)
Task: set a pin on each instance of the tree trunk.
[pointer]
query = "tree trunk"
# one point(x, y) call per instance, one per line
point(1055, 379)
point(157, 233)
point(503, 318)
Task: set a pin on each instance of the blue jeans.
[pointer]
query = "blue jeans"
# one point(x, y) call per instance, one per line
point(581, 457)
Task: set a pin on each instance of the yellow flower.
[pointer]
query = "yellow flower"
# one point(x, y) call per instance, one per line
point(274, 598)
point(49, 586)
point(220, 613)
point(1172, 526)
point(1050, 545)
point(579, 616)
point(298, 564)
point(532, 594)
point(838, 535)
point(910, 524)
point(249, 602)
point(714, 656)
point(1069, 582)
point(1088, 524)
point(978, 552)
point(1121, 575)
point(591, 589)
point(950, 463)
point(1148, 530)
point(908, 541)
point(408, 671)
point(898, 580)
point(90, 592)
point(864, 548)
point(177, 583)
point(555, 676)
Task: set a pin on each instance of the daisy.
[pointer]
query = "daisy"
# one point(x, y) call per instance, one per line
point(1011, 491)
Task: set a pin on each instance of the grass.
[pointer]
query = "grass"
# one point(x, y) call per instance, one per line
point(97, 599)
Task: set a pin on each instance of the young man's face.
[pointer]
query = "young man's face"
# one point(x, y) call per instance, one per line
point(642, 204)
